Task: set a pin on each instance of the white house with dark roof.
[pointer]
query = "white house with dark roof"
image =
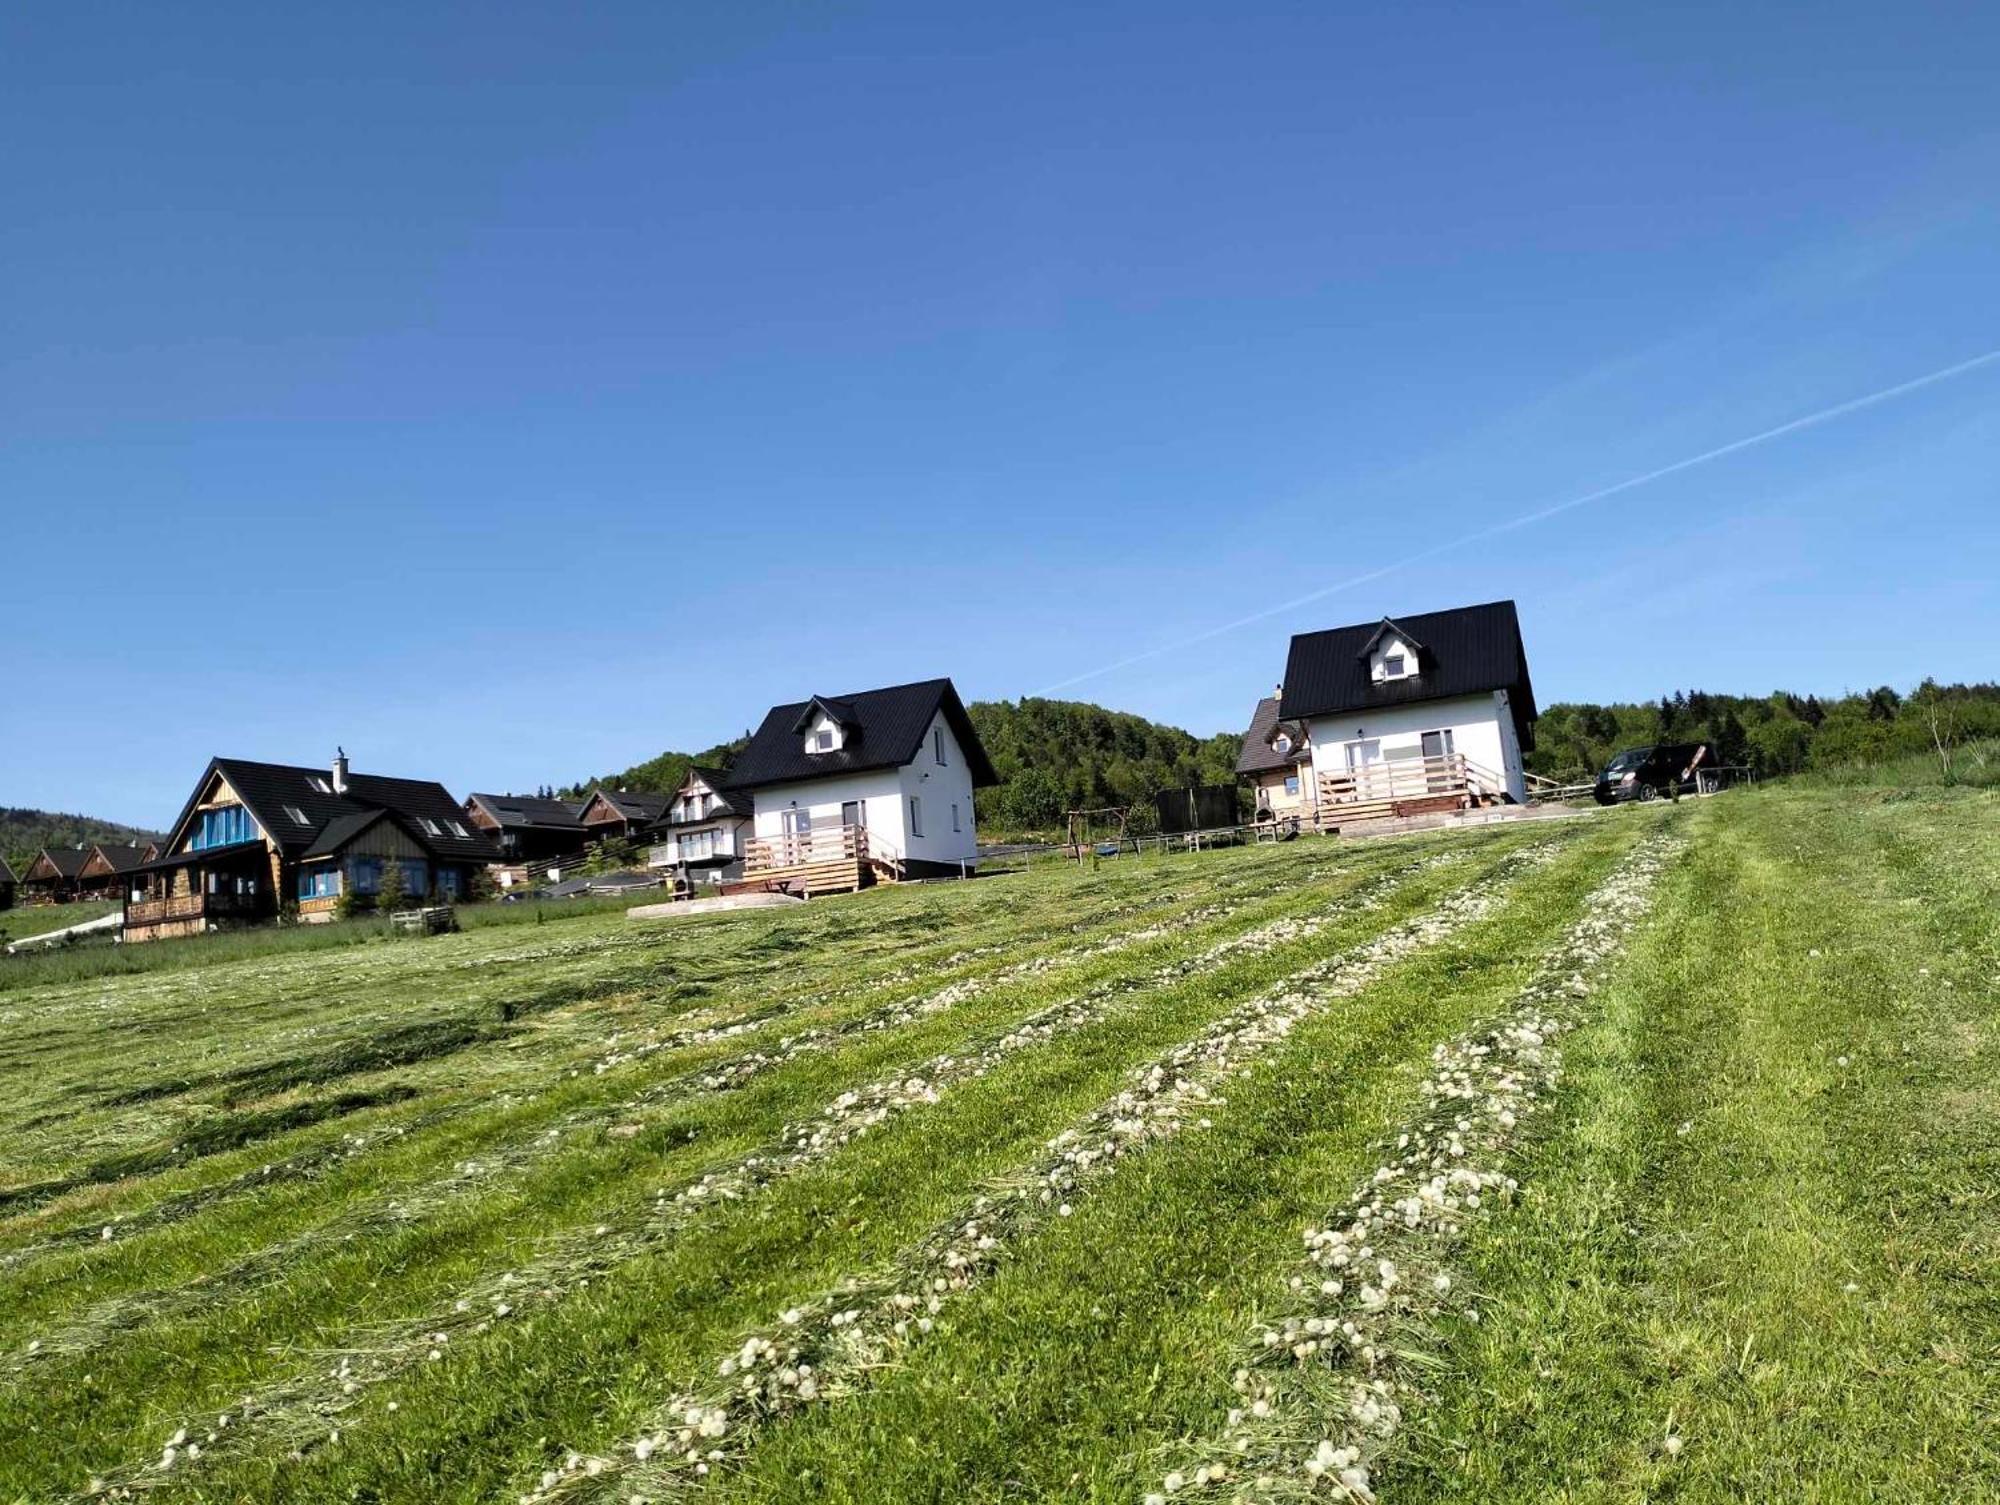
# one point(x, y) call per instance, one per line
point(852, 789)
point(706, 827)
point(1423, 712)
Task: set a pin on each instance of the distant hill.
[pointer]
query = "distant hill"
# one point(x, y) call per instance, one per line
point(25, 832)
point(661, 775)
point(1051, 755)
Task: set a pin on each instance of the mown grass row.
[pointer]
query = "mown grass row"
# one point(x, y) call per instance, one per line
point(256, 1042)
point(1761, 1257)
point(222, 1350)
point(417, 1182)
point(588, 1365)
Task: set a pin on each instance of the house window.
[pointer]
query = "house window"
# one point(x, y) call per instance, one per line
point(823, 739)
point(297, 815)
point(448, 882)
point(223, 827)
point(853, 813)
point(319, 882)
point(954, 815)
point(430, 825)
point(365, 873)
point(937, 745)
point(318, 784)
point(916, 815)
point(1292, 784)
point(1361, 754)
point(1393, 666)
point(457, 829)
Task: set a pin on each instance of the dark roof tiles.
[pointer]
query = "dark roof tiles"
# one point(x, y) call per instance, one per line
point(885, 729)
point(1470, 650)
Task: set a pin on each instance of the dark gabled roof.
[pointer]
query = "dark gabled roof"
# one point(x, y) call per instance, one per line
point(342, 829)
point(118, 859)
point(1258, 756)
point(630, 804)
point(735, 802)
point(6, 872)
point(1470, 650)
point(837, 709)
point(67, 861)
point(885, 729)
point(521, 812)
point(1389, 624)
point(272, 790)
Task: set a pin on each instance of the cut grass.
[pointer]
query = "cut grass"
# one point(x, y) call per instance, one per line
point(1649, 1284)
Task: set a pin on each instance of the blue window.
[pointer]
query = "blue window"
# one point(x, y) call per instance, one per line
point(366, 874)
point(448, 882)
point(224, 827)
point(319, 882)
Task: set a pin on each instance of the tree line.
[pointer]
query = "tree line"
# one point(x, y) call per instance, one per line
point(1773, 734)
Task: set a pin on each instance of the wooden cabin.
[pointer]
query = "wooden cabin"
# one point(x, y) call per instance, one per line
point(8, 883)
point(54, 876)
point(620, 815)
point(109, 869)
point(528, 828)
point(257, 838)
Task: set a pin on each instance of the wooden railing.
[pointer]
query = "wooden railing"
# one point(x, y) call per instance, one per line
point(805, 848)
point(1409, 779)
point(190, 907)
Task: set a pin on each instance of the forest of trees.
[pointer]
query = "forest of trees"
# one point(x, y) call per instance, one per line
point(25, 832)
point(1773, 734)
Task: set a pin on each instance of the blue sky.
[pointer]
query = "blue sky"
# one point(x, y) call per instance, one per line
point(510, 394)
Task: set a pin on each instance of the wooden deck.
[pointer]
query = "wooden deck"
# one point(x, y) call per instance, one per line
point(835, 860)
point(1398, 788)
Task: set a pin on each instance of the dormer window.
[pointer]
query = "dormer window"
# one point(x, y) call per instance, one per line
point(1394, 665)
point(823, 739)
point(1282, 744)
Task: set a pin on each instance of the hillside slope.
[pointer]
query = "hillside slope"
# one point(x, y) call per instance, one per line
point(25, 832)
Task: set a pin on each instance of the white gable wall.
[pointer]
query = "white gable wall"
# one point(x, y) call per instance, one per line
point(1481, 729)
point(940, 787)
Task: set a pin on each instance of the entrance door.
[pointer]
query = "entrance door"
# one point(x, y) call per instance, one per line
point(1439, 773)
point(1364, 765)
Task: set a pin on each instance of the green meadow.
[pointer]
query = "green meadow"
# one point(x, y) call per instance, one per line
point(1649, 1154)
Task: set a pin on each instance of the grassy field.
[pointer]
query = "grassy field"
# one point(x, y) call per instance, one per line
point(24, 920)
point(1644, 1155)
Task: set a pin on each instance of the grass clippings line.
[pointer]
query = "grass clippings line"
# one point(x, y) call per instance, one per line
point(298, 1411)
point(1325, 1382)
point(827, 1348)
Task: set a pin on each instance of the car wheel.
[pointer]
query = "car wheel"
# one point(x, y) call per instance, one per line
point(1647, 794)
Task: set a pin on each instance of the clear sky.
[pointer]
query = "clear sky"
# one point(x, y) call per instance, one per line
point(511, 393)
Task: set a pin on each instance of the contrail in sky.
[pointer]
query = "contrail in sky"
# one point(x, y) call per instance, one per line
point(1540, 514)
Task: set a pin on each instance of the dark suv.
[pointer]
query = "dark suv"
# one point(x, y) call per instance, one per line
point(1646, 773)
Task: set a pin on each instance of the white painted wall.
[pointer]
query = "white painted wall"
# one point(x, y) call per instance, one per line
point(1476, 724)
point(887, 792)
